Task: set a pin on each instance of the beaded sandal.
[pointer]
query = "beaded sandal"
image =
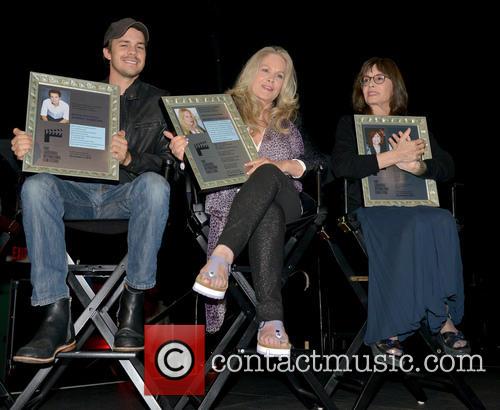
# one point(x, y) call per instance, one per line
point(275, 330)
point(203, 284)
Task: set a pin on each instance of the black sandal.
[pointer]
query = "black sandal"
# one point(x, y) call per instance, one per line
point(447, 341)
point(389, 348)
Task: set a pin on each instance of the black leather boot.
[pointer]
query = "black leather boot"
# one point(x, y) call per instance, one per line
point(130, 334)
point(56, 334)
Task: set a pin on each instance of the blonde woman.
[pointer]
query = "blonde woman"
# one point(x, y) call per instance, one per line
point(257, 213)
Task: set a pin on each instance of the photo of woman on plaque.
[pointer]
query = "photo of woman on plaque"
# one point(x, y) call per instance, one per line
point(376, 141)
point(189, 122)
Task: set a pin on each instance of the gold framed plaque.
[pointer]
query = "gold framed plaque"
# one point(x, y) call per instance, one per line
point(219, 141)
point(392, 186)
point(72, 122)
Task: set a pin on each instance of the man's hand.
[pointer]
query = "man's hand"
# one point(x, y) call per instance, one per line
point(21, 143)
point(177, 144)
point(119, 148)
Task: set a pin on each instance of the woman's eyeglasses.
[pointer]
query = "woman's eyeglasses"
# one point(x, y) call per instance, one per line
point(377, 79)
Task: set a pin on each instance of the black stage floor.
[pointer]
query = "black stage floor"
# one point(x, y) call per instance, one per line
point(270, 391)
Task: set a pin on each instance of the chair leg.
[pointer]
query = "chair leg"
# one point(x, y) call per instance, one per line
point(107, 328)
point(356, 344)
point(370, 389)
point(26, 399)
point(348, 272)
point(59, 369)
point(305, 396)
point(5, 396)
point(221, 380)
point(30, 389)
point(375, 382)
point(13, 294)
point(465, 392)
point(415, 389)
point(244, 295)
point(221, 347)
point(99, 317)
point(246, 315)
point(462, 390)
point(318, 390)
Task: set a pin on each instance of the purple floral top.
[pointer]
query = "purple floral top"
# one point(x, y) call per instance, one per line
point(275, 146)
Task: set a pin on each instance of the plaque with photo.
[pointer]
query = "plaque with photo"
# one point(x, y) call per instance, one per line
point(72, 122)
point(392, 186)
point(219, 141)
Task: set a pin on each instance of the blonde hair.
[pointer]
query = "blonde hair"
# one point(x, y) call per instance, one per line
point(285, 106)
point(185, 129)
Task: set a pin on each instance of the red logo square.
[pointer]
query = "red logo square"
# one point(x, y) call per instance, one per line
point(174, 360)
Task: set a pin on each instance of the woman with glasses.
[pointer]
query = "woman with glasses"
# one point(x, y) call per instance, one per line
point(415, 266)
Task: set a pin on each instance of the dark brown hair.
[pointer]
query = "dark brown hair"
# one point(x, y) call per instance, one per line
point(399, 99)
point(55, 92)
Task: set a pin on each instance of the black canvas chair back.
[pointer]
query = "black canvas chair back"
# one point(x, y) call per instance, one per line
point(347, 223)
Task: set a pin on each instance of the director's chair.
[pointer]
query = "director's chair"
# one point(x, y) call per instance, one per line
point(240, 336)
point(96, 315)
point(452, 381)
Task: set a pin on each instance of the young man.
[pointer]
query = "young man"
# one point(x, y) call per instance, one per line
point(142, 196)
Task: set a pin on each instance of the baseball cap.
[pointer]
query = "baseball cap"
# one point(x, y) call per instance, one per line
point(120, 27)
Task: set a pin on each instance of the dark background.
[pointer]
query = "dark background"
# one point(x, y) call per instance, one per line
point(200, 47)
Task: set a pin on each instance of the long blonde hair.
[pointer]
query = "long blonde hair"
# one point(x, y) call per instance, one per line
point(285, 107)
point(185, 128)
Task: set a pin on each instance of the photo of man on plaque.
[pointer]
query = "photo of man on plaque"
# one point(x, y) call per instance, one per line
point(56, 106)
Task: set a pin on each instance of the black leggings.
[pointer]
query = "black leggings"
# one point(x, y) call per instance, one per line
point(258, 216)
